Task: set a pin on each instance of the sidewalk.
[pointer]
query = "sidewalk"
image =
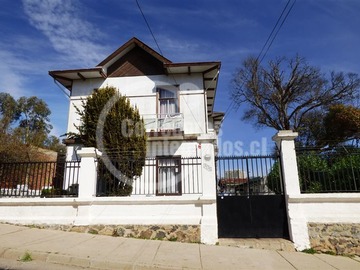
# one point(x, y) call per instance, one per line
point(104, 252)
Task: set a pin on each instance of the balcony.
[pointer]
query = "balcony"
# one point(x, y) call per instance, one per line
point(163, 125)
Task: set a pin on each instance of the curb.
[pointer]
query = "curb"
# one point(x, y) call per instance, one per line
point(61, 259)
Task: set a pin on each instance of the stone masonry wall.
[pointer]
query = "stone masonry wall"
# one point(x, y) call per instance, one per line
point(179, 233)
point(336, 238)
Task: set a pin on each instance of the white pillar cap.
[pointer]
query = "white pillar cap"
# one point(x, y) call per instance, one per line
point(88, 152)
point(285, 135)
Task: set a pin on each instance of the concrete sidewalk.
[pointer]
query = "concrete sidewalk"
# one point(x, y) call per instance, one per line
point(104, 252)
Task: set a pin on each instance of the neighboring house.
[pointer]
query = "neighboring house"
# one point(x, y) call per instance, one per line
point(176, 101)
point(243, 186)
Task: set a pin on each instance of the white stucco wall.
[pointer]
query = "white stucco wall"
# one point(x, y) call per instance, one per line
point(102, 210)
point(184, 210)
point(173, 148)
point(310, 208)
point(320, 208)
point(327, 208)
point(141, 90)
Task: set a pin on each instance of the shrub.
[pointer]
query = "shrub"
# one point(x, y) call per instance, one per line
point(123, 139)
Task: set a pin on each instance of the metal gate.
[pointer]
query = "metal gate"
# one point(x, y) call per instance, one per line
point(250, 198)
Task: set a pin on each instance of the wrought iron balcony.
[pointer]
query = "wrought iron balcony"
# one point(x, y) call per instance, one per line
point(164, 122)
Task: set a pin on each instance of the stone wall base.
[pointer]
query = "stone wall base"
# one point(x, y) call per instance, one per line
point(179, 233)
point(338, 238)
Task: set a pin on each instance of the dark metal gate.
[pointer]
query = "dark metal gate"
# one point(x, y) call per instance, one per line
point(250, 198)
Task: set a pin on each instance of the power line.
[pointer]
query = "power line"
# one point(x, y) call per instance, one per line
point(272, 31)
point(282, 23)
point(148, 26)
point(231, 105)
point(172, 75)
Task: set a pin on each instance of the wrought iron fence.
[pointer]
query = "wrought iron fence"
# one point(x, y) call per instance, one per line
point(325, 171)
point(39, 179)
point(248, 175)
point(159, 176)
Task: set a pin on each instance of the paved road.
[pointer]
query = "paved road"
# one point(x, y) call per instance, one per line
point(63, 250)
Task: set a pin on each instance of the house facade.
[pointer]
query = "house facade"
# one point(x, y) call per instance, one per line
point(177, 188)
point(176, 101)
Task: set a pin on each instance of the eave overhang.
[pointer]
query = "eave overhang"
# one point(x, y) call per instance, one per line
point(209, 70)
point(66, 77)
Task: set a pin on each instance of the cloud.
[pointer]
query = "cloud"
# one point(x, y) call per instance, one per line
point(60, 21)
point(176, 49)
point(12, 80)
point(23, 60)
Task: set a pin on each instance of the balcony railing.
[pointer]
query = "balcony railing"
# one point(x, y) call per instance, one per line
point(164, 122)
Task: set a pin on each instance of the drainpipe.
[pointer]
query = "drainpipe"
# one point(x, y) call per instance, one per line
point(206, 113)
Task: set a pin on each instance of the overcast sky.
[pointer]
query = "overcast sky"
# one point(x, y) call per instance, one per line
point(42, 35)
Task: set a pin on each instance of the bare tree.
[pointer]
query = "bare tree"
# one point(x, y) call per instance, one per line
point(281, 95)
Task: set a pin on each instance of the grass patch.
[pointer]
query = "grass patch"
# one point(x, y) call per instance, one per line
point(26, 257)
point(309, 251)
point(92, 231)
point(349, 255)
point(173, 239)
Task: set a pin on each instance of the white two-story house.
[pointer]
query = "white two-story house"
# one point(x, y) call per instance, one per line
point(176, 101)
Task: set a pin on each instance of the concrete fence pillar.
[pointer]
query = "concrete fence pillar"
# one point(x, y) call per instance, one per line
point(88, 172)
point(284, 140)
point(298, 230)
point(209, 226)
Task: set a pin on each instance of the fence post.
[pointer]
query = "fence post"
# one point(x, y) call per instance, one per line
point(209, 229)
point(88, 172)
point(285, 143)
point(298, 230)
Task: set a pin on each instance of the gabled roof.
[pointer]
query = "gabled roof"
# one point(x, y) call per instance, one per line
point(128, 46)
point(135, 58)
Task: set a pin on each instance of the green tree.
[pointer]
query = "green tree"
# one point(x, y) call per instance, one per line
point(25, 126)
point(34, 124)
point(312, 130)
point(345, 169)
point(342, 123)
point(314, 172)
point(111, 124)
point(274, 178)
point(337, 124)
point(53, 143)
point(281, 95)
point(9, 111)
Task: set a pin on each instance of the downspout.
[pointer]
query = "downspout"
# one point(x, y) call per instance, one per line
point(205, 101)
point(206, 113)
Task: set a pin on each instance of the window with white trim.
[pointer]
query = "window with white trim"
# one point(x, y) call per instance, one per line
point(168, 176)
point(168, 103)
